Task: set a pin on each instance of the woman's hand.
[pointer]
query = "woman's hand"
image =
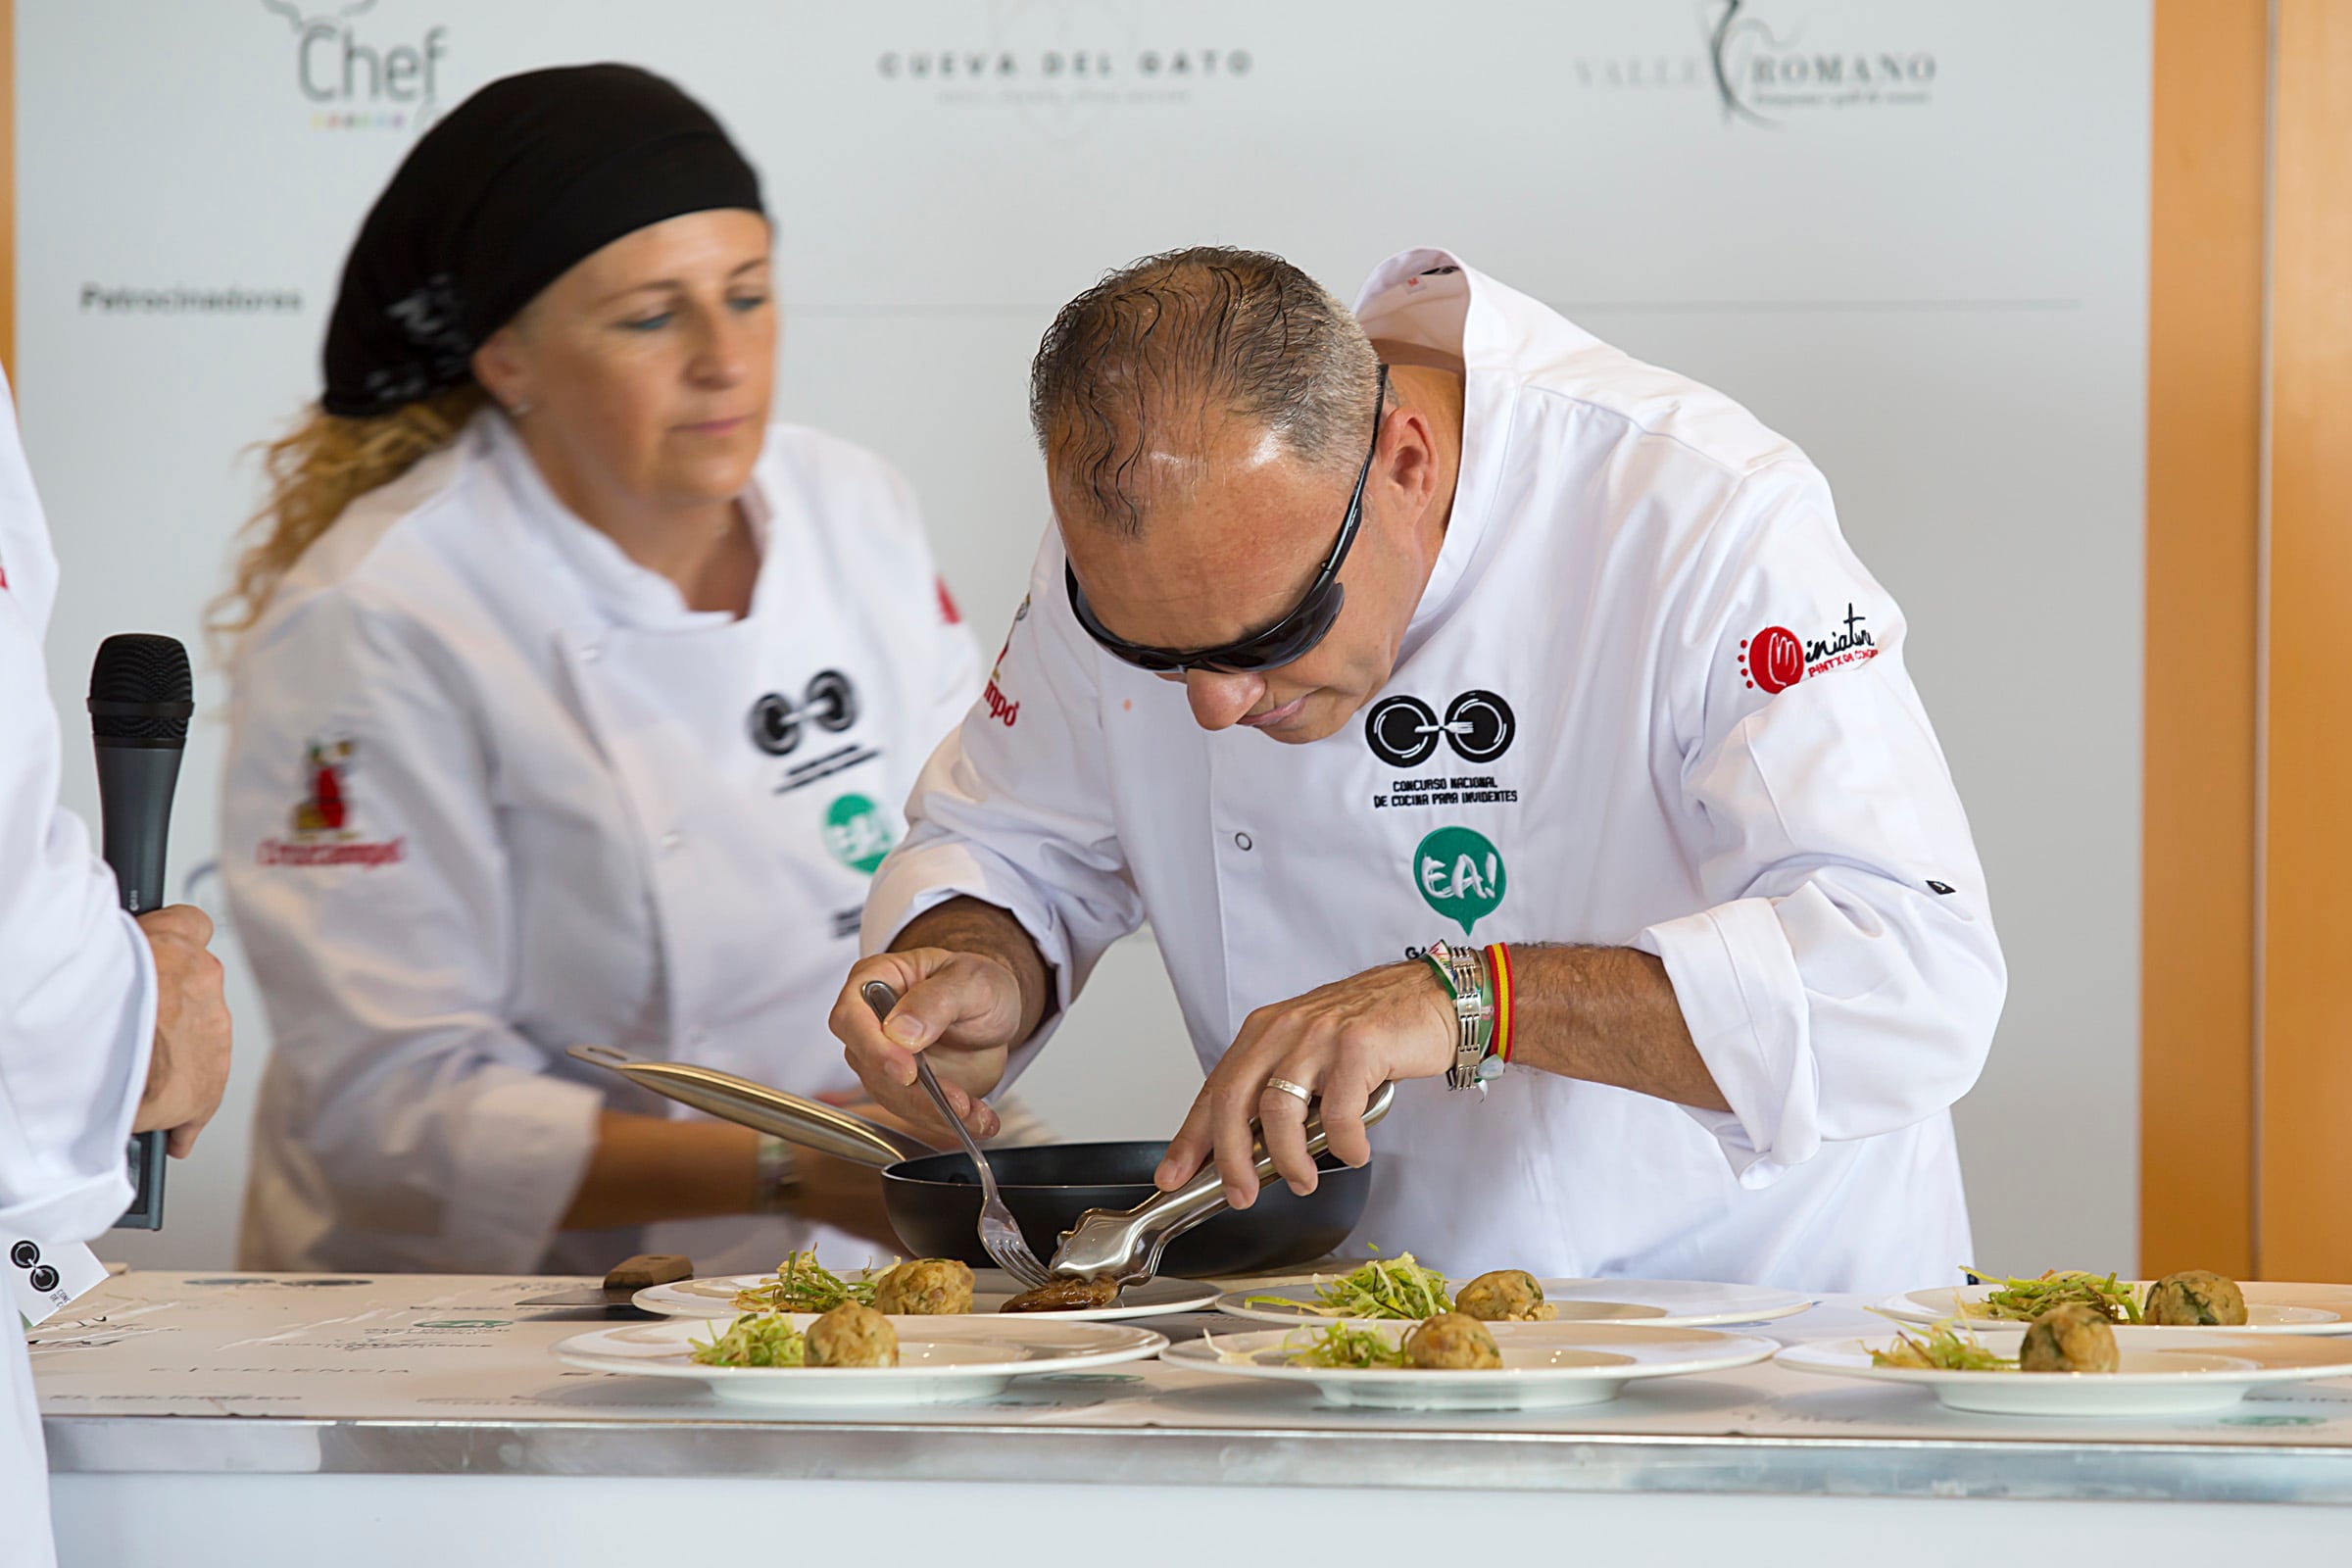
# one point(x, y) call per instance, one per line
point(1340, 1042)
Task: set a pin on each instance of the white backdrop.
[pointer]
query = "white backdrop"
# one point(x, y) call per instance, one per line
point(1913, 236)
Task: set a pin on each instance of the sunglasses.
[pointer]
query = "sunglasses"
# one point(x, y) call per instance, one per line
point(1292, 637)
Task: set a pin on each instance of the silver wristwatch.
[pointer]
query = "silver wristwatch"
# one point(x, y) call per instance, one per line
point(1473, 1013)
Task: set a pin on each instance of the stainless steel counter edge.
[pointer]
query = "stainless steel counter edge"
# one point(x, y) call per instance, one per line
point(1196, 1456)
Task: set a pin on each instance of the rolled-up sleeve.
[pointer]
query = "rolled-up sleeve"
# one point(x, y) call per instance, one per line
point(382, 945)
point(1014, 808)
point(1847, 980)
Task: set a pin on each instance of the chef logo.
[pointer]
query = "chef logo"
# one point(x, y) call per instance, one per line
point(777, 722)
point(354, 82)
point(1403, 731)
point(322, 826)
point(858, 833)
point(1777, 658)
point(1460, 874)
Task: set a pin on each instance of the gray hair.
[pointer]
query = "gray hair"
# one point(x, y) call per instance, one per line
point(1202, 334)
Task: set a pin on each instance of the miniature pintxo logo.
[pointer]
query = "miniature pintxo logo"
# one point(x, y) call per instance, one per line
point(1460, 874)
point(324, 826)
point(1777, 658)
point(1001, 707)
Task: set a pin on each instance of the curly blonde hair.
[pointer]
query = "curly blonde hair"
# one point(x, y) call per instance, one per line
point(316, 471)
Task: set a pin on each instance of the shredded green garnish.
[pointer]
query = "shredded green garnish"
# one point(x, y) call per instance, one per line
point(804, 1285)
point(760, 1339)
point(2021, 1300)
point(1340, 1345)
point(1945, 1347)
point(1385, 1288)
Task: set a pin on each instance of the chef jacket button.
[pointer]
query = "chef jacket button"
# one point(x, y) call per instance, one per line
point(593, 652)
point(673, 842)
point(1244, 841)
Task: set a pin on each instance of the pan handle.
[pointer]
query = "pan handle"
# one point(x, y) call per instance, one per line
point(806, 1123)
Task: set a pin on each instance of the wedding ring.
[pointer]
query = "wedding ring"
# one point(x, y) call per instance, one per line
point(1305, 1095)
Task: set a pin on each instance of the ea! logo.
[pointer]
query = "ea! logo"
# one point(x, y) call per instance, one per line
point(1773, 661)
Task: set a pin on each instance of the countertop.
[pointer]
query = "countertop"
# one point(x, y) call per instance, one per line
point(443, 1375)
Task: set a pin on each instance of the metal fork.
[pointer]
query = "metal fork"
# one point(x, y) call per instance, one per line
point(999, 1234)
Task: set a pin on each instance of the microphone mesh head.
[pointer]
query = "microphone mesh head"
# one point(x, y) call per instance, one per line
point(139, 669)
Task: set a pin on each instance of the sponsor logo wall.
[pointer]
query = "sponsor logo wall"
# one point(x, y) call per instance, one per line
point(1910, 234)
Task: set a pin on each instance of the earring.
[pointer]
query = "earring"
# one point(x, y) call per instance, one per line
point(518, 410)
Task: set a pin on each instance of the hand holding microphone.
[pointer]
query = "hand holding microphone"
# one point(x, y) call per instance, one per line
point(188, 1071)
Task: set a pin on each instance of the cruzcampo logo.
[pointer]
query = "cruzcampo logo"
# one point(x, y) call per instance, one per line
point(857, 833)
point(1459, 874)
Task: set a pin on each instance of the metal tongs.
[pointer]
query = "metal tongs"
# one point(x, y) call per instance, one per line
point(1126, 1244)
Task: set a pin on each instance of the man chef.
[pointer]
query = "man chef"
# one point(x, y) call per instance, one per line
point(1470, 706)
point(107, 1026)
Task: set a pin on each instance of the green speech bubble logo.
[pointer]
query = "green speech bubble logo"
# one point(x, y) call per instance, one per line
point(857, 833)
point(1461, 875)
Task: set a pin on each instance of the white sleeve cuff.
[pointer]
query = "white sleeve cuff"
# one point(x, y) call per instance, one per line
point(528, 1139)
point(1743, 999)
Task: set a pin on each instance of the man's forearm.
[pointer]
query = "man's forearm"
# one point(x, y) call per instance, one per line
point(970, 925)
point(1607, 1016)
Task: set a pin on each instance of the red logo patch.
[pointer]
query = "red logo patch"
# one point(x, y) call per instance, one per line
point(321, 825)
point(1772, 659)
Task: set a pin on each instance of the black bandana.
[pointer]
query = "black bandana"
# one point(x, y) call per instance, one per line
point(512, 187)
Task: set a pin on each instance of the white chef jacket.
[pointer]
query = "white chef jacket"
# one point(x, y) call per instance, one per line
point(1574, 747)
point(493, 791)
point(77, 994)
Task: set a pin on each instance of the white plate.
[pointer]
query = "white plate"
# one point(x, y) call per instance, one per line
point(992, 1288)
point(1544, 1365)
point(940, 1358)
point(1653, 1303)
point(2271, 1308)
point(2166, 1371)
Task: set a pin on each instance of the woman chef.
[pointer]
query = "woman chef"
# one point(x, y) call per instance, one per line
point(573, 703)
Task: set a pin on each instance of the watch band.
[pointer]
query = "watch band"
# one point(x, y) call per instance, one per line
point(1465, 973)
point(779, 1172)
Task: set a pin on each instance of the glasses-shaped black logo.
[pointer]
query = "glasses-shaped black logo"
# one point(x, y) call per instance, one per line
point(1405, 731)
point(830, 704)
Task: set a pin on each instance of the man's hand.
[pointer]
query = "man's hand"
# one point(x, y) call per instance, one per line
point(962, 1007)
point(1340, 1042)
point(188, 1070)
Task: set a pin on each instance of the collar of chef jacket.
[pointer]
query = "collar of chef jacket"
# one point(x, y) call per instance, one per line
point(1431, 299)
point(626, 592)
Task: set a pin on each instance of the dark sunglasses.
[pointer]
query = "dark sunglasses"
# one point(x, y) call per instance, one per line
point(1292, 637)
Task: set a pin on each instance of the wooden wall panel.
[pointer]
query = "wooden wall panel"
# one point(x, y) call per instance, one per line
point(2305, 1214)
point(2205, 292)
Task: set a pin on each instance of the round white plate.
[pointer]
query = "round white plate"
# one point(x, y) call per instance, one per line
point(2271, 1308)
point(1653, 1303)
point(992, 1288)
point(1544, 1365)
point(940, 1358)
point(2164, 1371)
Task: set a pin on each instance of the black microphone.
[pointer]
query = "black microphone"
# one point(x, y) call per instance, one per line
point(142, 697)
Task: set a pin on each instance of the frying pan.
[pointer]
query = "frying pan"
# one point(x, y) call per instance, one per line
point(933, 1198)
